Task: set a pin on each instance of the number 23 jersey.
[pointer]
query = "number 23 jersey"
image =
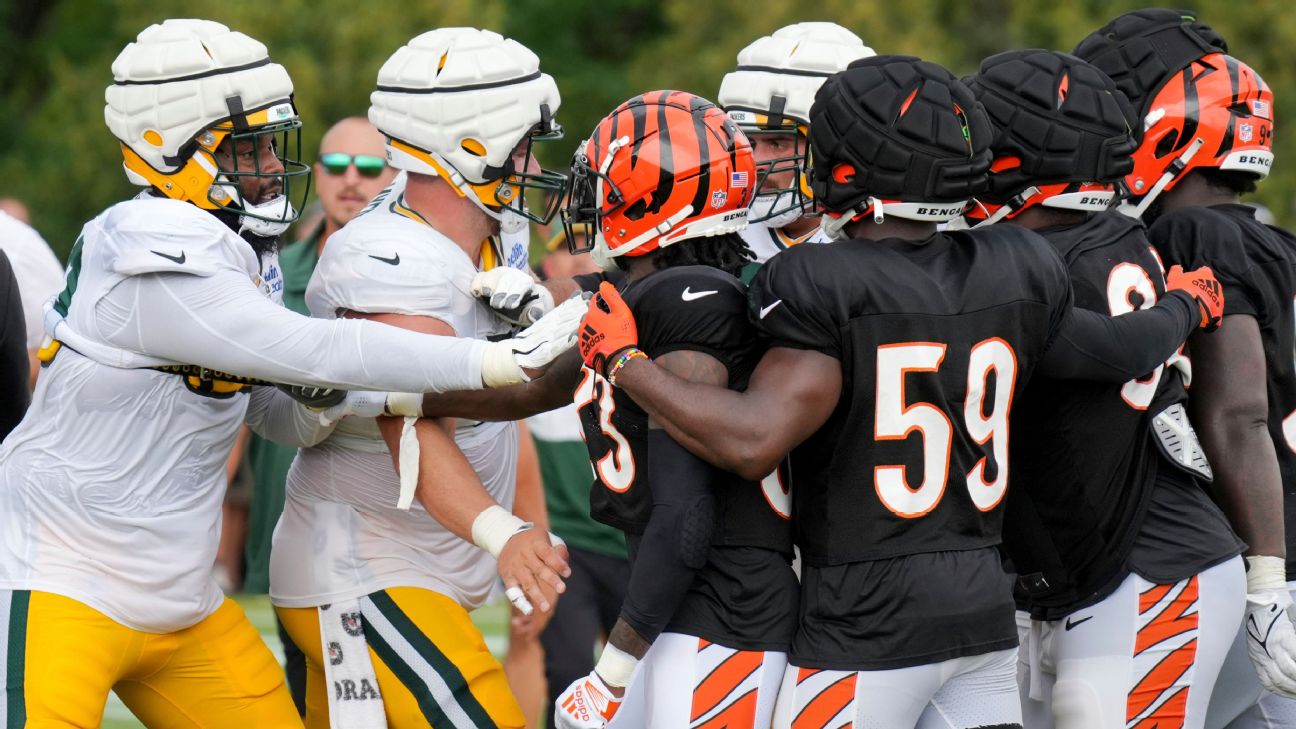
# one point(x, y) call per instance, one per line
point(936, 339)
point(694, 308)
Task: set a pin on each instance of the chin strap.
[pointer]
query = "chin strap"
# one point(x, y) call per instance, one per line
point(1174, 170)
point(1016, 203)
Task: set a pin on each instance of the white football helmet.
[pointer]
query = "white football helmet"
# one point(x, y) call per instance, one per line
point(457, 103)
point(771, 92)
point(183, 88)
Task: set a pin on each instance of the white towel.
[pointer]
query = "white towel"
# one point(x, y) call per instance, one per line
point(353, 696)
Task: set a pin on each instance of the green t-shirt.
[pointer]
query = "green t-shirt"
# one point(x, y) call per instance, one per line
point(567, 475)
point(270, 461)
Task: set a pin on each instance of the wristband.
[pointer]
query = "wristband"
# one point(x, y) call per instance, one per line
point(1266, 574)
point(492, 528)
point(409, 404)
point(621, 361)
point(615, 666)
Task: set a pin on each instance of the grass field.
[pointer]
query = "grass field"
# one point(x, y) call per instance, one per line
point(492, 619)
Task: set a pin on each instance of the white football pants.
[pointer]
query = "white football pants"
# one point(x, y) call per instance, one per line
point(973, 691)
point(685, 681)
point(1148, 655)
point(1239, 702)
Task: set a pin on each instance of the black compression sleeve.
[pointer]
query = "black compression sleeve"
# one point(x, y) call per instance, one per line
point(678, 536)
point(589, 282)
point(1092, 346)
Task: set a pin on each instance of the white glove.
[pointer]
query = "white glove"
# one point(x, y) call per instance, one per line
point(369, 404)
point(534, 347)
point(1271, 640)
point(514, 295)
point(586, 704)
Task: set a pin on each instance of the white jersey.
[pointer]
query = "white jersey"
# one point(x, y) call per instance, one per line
point(766, 242)
point(111, 487)
point(341, 535)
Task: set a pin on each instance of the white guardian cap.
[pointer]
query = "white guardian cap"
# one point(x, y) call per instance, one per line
point(465, 105)
point(183, 88)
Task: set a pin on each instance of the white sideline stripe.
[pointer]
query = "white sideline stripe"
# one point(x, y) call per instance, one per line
point(441, 692)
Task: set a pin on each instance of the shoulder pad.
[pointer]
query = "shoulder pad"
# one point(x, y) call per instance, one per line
point(153, 235)
point(371, 266)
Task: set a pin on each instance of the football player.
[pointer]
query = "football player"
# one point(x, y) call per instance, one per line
point(897, 354)
point(461, 109)
point(663, 184)
point(1126, 566)
point(1207, 123)
point(769, 96)
point(111, 488)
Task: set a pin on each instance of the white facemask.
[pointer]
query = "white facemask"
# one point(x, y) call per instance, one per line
point(759, 212)
point(278, 210)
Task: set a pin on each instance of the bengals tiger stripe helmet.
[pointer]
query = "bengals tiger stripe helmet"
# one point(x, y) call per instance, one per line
point(1063, 134)
point(663, 167)
point(1215, 113)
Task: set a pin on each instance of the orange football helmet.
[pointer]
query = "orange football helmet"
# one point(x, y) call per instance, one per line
point(663, 167)
point(1215, 113)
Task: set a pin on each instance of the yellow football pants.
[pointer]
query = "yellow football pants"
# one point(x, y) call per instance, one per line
point(59, 658)
point(431, 662)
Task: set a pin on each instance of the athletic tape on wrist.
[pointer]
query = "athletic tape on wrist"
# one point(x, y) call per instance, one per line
point(409, 404)
point(492, 528)
point(498, 367)
point(615, 666)
point(1266, 574)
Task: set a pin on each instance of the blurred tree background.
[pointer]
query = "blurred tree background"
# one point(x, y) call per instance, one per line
point(55, 56)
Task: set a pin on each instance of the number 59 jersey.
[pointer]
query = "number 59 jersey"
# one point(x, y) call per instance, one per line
point(936, 339)
point(682, 308)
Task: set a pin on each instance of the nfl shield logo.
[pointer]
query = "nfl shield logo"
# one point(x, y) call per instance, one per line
point(351, 623)
point(1245, 132)
point(719, 198)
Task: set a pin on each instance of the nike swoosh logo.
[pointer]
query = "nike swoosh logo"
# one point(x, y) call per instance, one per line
point(178, 259)
point(393, 261)
point(692, 296)
point(1070, 625)
point(767, 309)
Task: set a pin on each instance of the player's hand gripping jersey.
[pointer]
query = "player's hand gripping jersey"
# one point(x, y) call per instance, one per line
point(742, 598)
point(1085, 458)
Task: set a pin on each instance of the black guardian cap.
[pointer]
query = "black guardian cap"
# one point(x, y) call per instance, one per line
point(900, 134)
point(1063, 132)
point(1142, 48)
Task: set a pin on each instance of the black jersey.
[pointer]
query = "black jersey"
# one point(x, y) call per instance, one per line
point(682, 308)
point(1083, 458)
point(1256, 264)
point(936, 339)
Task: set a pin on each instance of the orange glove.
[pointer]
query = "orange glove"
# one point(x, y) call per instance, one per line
point(607, 330)
point(1203, 287)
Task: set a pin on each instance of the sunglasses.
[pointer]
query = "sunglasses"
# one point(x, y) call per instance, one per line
point(336, 163)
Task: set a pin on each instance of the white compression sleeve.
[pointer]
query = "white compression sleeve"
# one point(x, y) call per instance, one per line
point(275, 416)
point(222, 322)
